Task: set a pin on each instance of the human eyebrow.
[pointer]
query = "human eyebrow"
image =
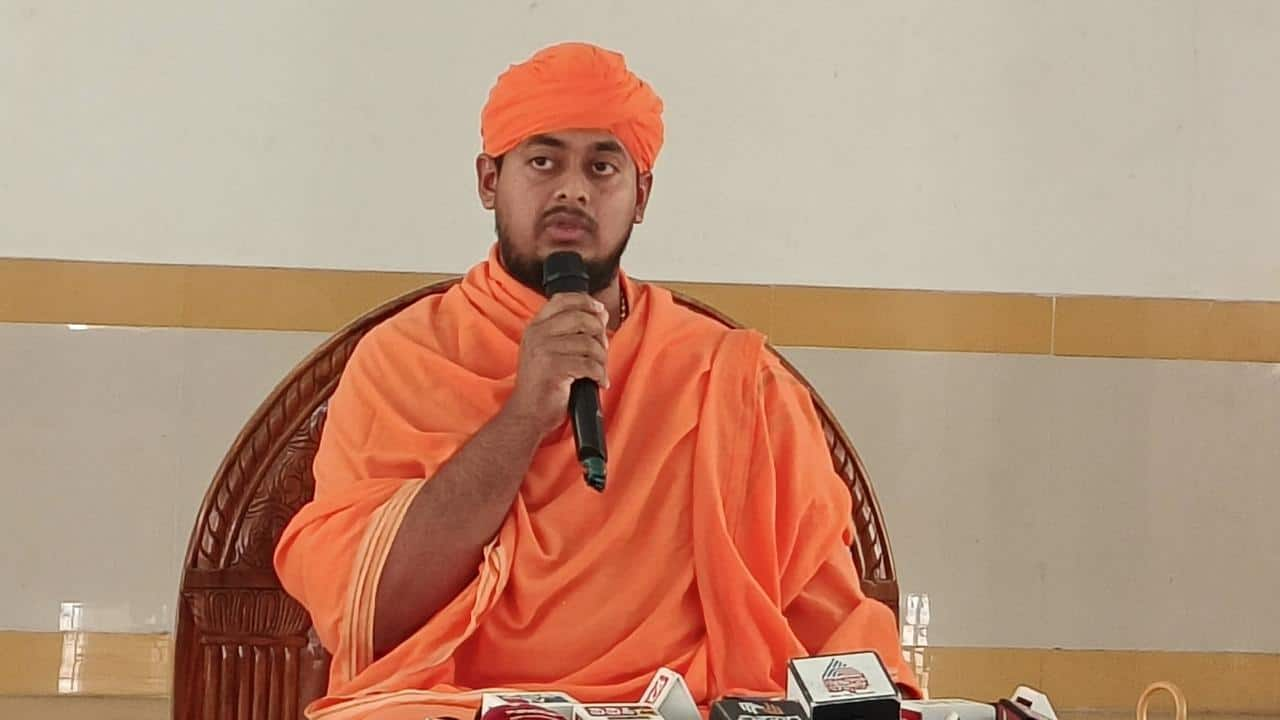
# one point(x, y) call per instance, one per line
point(545, 141)
point(609, 146)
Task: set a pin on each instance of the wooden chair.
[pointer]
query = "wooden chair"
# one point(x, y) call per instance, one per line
point(244, 650)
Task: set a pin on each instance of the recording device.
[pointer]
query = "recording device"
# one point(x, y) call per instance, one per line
point(947, 709)
point(1024, 704)
point(615, 711)
point(551, 701)
point(1007, 709)
point(565, 272)
point(732, 708)
point(848, 686)
point(669, 694)
point(1033, 700)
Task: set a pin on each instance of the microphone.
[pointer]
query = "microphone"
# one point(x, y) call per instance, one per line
point(844, 686)
point(1032, 701)
point(947, 709)
point(669, 694)
point(549, 705)
point(1026, 703)
point(565, 272)
point(615, 711)
point(519, 711)
point(732, 708)
point(1007, 709)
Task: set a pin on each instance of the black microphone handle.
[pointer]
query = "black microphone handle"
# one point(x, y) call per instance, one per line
point(565, 272)
point(588, 430)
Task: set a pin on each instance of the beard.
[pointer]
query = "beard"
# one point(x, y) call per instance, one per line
point(528, 269)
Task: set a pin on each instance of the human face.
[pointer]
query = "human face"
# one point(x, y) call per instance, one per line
point(571, 190)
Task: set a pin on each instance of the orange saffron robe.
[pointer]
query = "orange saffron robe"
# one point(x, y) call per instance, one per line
point(719, 549)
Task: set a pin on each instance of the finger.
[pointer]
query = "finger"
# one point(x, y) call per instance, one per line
point(579, 345)
point(569, 301)
point(576, 344)
point(575, 322)
point(577, 366)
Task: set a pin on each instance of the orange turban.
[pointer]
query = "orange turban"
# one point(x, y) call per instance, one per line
point(573, 86)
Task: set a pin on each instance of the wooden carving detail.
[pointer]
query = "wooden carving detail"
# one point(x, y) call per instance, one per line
point(258, 449)
point(869, 550)
point(249, 682)
point(288, 486)
point(248, 613)
point(243, 648)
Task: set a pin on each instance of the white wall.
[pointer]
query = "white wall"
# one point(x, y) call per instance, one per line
point(1040, 501)
point(1073, 146)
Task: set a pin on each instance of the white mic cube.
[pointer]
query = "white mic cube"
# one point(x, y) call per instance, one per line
point(669, 694)
point(947, 709)
point(1034, 700)
point(615, 711)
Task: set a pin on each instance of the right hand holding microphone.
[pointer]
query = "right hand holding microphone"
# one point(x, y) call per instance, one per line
point(565, 341)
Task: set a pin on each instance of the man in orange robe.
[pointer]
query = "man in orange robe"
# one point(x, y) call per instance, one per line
point(452, 546)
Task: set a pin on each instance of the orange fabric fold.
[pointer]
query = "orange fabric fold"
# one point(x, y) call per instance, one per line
point(720, 548)
point(574, 86)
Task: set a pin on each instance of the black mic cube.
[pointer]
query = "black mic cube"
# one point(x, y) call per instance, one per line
point(847, 686)
point(757, 709)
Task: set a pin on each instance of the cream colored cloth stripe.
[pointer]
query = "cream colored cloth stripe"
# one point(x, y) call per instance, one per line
point(373, 557)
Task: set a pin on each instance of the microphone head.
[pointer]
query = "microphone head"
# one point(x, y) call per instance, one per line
point(564, 271)
point(833, 687)
point(736, 708)
point(669, 694)
point(519, 705)
point(521, 711)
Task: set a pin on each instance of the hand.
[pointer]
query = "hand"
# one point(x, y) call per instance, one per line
point(565, 341)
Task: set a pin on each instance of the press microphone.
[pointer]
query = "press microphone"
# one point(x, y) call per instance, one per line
point(844, 687)
point(565, 272)
point(518, 705)
point(669, 694)
point(1026, 703)
point(1007, 709)
point(615, 711)
point(947, 709)
point(733, 708)
point(1031, 700)
point(519, 711)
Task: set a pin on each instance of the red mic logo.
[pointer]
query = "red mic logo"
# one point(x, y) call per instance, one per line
point(659, 685)
point(840, 678)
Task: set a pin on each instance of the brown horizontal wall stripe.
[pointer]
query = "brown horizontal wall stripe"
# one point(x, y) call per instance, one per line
point(1214, 682)
point(49, 291)
point(194, 296)
point(249, 298)
point(750, 305)
point(913, 320)
point(85, 663)
point(1174, 329)
point(138, 665)
point(277, 299)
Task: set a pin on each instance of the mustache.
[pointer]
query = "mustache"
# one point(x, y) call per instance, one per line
point(554, 213)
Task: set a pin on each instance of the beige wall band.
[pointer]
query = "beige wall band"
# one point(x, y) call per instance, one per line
point(246, 298)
